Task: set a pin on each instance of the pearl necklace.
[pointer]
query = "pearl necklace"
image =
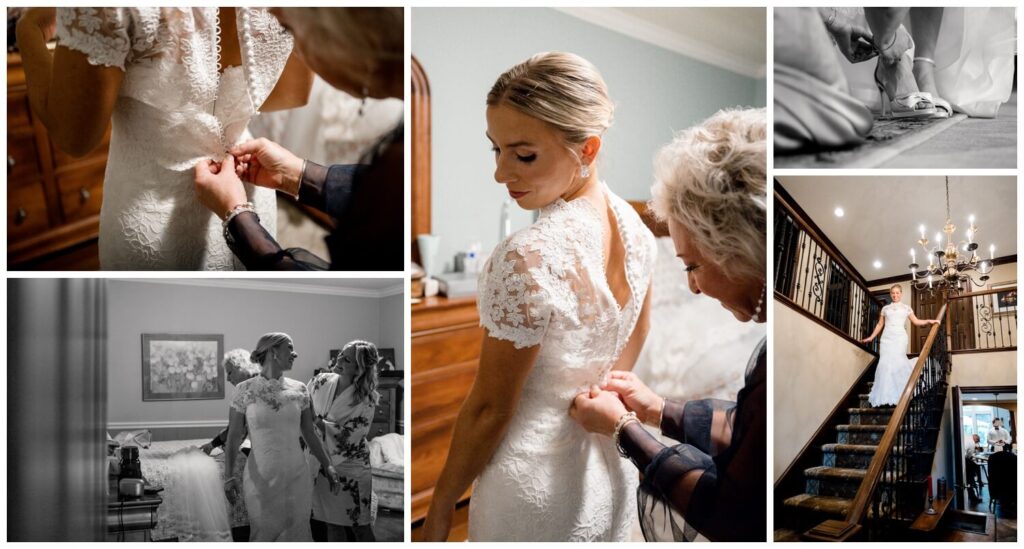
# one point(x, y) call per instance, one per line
point(760, 301)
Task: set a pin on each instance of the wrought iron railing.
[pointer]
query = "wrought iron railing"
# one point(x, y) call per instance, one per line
point(813, 277)
point(893, 491)
point(983, 321)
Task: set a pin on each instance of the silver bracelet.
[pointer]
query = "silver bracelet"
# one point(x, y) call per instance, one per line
point(247, 207)
point(661, 413)
point(624, 419)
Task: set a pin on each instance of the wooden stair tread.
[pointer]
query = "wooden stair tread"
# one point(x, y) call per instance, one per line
point(850, 448)
point(830, 505)
point(835, 472)
point(850, 427)
point(878, 411)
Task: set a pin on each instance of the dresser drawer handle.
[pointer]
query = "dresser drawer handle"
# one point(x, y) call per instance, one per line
point(84, 195)
point(20, 216)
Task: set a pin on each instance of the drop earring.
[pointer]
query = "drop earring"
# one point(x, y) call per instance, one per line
point(362, 106)
point(584, 171)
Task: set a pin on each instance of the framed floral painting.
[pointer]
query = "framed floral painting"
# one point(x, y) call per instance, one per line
point(182, 367)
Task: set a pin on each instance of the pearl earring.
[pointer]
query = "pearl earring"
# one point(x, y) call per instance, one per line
point(584, 171)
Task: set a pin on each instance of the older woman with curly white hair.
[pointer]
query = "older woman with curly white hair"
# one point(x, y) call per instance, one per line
point(711, 191)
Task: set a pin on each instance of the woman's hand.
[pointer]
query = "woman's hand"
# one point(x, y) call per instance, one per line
point(637, 397)
point(218, 187)
point(865, 341)
point(231, 488)
point(333, 478)
point(597, 411)
point(853, 39)
point(438, 523)
point(44, 19)
point(267, 164)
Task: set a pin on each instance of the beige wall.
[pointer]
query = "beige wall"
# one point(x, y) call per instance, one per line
point(969, 370)
point(813, 369)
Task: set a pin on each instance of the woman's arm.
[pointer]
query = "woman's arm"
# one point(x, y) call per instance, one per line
point(627, 360)
point(292, 88)
point(73, 98)
point(236, 431)
point(480, 427)
point(918, 322)
point(316, 446)
point(878, 329)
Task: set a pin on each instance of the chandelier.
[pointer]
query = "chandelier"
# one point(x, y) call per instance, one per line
point(950, 264)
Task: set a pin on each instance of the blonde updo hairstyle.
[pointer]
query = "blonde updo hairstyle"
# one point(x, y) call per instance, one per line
point(366, 358)
point(265, 344)
point(561, 89)
point(711, 179)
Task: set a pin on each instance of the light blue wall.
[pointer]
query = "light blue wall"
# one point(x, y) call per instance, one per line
point(463, 51)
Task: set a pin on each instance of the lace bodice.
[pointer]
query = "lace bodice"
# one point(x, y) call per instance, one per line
point(896, 315)
point(545, 285)
point(272, 392)
point(175, 107)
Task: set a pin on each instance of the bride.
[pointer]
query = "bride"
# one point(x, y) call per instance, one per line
point(179, 86)
point(894, 368)
point(563, 301)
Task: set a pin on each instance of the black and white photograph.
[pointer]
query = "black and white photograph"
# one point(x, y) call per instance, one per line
point(246, 427)
point(895, 87)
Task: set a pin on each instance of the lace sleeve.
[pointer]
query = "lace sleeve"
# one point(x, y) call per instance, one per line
point(100, 33)
point(514, 303)
point(243, 397)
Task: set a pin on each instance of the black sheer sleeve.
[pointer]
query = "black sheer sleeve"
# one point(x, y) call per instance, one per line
point(329, 189)
point(258, 251)
point(219, 440)
point(690, 488)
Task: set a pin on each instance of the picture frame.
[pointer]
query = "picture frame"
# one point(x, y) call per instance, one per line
point(1004, 302)
point(182, 367)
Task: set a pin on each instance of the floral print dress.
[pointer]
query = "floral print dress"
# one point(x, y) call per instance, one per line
point(343, 426)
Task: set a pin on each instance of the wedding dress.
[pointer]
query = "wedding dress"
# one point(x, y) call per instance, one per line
point(276, 483)
point(549, 480)
point(894, 367)
point(173, 110)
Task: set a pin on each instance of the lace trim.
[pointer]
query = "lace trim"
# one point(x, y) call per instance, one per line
point(273, 393)
point(100, 34)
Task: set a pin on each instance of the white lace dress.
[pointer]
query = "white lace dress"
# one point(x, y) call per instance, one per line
point(276, 482)
point(894, 367)
point(549, 480)
point(173, 110)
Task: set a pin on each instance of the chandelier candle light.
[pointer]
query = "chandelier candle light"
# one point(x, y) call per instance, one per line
point(946, 263)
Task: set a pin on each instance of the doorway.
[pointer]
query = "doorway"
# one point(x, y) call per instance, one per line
point(983, 482)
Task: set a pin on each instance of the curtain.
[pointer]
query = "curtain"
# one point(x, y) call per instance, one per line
point(56, 409)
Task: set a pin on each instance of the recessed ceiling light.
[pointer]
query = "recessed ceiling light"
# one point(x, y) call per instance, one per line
point(839, 212)
point(877, 264)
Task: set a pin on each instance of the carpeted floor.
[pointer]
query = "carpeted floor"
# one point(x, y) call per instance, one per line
point(955, 143)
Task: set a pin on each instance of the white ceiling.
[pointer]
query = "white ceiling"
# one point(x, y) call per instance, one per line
point(730, 38)
point(882, 214)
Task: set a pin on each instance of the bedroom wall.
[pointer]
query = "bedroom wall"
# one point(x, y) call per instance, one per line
point(813, 369)
point(317, 323)
point(392, 326)
point(463, 51)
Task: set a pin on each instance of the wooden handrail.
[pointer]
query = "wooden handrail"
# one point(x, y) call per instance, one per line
point(983, 292)
point(859, 506)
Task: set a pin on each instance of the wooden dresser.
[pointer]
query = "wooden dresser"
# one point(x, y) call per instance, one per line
point(53, 200)
point(446, 338)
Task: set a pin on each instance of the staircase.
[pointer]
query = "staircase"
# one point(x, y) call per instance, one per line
point(871, 483)
point(830, 487)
